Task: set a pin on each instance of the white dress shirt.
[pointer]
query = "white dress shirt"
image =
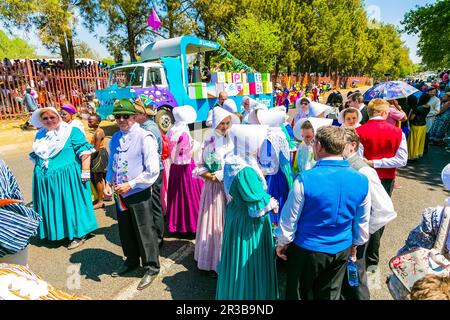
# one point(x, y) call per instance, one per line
point(382, 209)
point(292, 209)
point(151, 163)
point(400, 159)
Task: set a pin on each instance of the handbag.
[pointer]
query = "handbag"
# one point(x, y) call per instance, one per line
point(415, 264)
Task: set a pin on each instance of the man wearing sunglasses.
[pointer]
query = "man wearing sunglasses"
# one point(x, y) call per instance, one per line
point(133, 168)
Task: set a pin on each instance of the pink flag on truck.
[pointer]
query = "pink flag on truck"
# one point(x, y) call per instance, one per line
point(153, 20)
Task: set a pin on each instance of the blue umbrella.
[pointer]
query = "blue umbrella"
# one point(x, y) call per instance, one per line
point(389, 90)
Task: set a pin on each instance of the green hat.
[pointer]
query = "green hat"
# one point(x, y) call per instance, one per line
point(124, 107)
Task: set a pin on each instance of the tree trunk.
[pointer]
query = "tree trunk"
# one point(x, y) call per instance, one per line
point(70, 50)
point(64, 53)
point(131, 42)
point(277, 69)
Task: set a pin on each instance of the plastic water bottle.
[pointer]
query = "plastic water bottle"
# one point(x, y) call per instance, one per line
point(352, 273)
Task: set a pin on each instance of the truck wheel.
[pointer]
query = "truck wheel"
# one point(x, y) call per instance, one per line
point(164, 119)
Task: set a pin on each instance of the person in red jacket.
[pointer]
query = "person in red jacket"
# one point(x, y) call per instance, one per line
point(384, 148)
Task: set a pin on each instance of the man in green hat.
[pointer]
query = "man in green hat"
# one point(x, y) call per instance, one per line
point(133, 168)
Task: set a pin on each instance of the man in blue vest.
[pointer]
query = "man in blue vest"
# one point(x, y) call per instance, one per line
point(325, 218)
point(133, 167)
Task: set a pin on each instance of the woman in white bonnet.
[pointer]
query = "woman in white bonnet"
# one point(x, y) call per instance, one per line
point(212, 200)
point(247, 269)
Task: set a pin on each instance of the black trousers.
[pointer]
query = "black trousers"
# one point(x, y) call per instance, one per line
point(388, 185)
point(361, 292)
point(373, 246)
point(314, 275)
point(138, 231)
point(158, 214)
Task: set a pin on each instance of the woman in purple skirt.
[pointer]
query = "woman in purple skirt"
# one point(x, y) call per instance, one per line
point(183, 191)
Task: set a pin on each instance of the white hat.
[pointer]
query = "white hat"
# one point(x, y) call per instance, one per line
point(186, 114)
point(315, 122)
point(36, 120)
point(219, 114)
point(445, 175)
point(252, 119)
point(297, 103)
point(247, 139)
point(273, 117)
point(230, 105)
point(315, 108)
point(341, 115)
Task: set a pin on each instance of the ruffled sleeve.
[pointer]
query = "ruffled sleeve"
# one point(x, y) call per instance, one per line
point(250, 188)
point(79, 143)
point(200, 163)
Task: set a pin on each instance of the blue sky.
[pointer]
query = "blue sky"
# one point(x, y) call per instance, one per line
point(388, 11)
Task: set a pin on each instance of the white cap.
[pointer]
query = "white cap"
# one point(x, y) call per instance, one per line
point(36, 120)
point(445, 175)
point(219, 114)
point(341, 115)
point(315, 122)
point(186, 114)
point(315, 108)
point(247, 139)
point(230, 105)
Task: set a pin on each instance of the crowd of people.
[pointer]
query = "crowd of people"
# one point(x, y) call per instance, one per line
point(52, 84)
point(313, 194)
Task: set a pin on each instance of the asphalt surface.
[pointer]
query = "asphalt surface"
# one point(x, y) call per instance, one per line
point(86, 270)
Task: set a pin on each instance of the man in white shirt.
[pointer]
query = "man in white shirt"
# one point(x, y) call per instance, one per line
point(219, 103)
point(133, 167)
point(382, 212)
point(325, 218)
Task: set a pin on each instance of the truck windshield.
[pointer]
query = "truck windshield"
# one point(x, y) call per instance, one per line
point(153, 76)
point(127, 77)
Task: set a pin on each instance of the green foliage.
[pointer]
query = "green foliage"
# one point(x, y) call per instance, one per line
point(83, 50)
point(431, 24)
point(15, 48)
point(256, 42)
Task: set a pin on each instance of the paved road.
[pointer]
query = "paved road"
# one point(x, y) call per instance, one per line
point(86, 270)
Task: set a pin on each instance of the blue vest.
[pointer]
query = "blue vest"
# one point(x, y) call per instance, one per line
point(332, 193)
point(128, 156)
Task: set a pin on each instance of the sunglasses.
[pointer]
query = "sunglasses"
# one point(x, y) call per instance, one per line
point(305, 103)
point(48, 118)
point(63, 114)
point(123, 116)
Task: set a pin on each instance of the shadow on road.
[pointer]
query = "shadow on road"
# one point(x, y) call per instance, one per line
point(35, 241)
point(97, 262)
point(427, 169)
point(191, 284)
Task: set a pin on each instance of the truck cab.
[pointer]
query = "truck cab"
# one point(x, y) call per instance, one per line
point(162, 79)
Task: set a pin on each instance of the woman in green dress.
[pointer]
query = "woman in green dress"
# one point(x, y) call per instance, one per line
point(61, 192)
point(247, 269)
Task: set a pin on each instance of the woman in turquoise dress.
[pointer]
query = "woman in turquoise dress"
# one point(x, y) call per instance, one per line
point(61, 192)
point(247, 269)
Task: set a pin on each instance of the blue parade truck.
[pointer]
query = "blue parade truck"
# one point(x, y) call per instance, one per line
point(162, 80)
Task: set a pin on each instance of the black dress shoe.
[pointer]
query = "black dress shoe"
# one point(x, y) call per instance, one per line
point(147, 279)
point(124, 269)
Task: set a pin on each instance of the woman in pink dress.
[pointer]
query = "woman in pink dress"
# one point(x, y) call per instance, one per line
point(208, 239)
point(183, 191)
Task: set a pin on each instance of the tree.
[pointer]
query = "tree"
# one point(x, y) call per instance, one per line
point(82, 50)
point(430, 23)
point(126, 20)
point(52, 19)
point(15, 47)
point(255, 42)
